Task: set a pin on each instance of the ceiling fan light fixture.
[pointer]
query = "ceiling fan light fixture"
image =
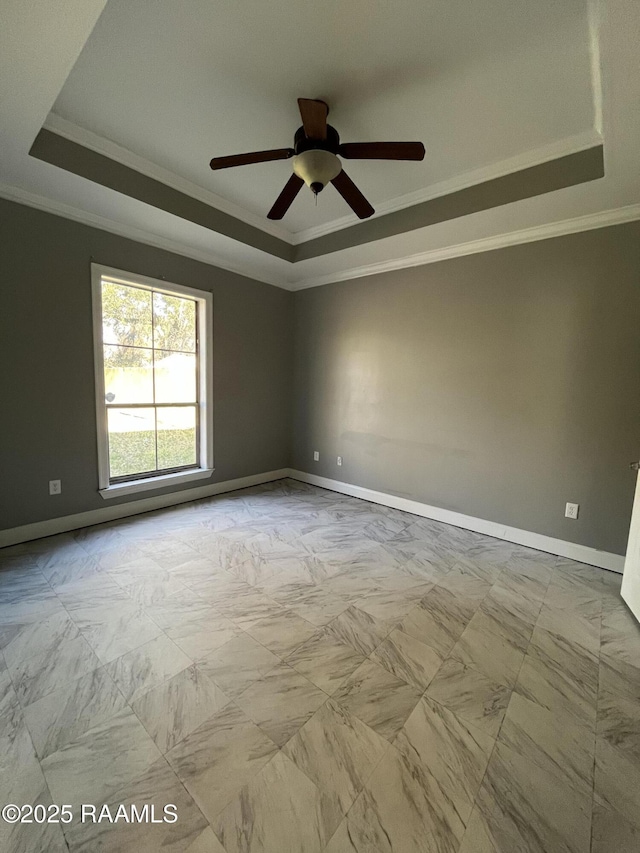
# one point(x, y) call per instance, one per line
point(316, 167)
point(315, 162)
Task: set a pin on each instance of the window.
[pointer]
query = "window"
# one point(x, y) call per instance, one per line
point(153, 382)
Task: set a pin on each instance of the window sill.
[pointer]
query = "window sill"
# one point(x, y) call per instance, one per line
point(150, 483)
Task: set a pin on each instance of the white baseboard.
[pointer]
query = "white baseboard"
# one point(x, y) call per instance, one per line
point(560, 547)
point(581, 553)
point(27, 532)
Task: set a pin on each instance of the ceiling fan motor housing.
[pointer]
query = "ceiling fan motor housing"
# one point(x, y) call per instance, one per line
point(316, 160)
point(301, 142)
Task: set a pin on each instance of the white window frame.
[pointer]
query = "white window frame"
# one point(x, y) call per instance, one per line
point(204, 307)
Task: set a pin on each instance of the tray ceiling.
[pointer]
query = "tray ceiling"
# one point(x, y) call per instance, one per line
point(478, 83)
point(494, 89)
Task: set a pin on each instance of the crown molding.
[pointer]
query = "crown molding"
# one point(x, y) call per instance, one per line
point(588, 222)
point(131, 232)
point(95, 142)
point(534, 157)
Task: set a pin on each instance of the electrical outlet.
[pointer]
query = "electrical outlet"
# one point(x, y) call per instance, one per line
point(55, 487)
point(339, 460)
point(571, 510)
point(316, 456)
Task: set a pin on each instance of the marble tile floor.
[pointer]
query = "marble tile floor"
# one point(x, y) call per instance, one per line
point(298, 671)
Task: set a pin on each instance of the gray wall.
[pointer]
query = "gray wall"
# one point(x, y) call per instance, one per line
point(47, 402)
point(499, 385)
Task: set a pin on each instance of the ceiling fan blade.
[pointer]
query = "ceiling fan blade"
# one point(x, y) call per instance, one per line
point(352, 195)
point(286, 197)
point(252, 157)
point(314, 118)
point(382, 150)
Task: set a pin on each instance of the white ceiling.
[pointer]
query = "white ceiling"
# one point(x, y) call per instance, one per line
point(463, 63)
point(480, 82)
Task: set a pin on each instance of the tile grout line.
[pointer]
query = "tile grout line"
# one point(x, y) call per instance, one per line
point(391, 624)
point(496, 740)
point(595, 733)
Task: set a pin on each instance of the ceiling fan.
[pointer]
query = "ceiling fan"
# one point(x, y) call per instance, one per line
point(315, 151)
